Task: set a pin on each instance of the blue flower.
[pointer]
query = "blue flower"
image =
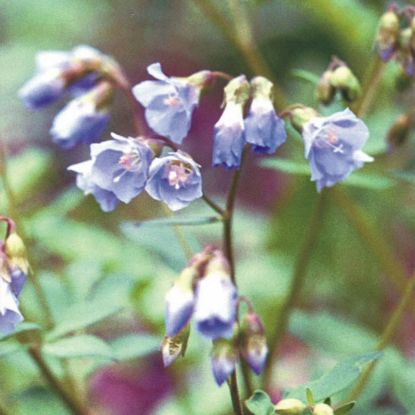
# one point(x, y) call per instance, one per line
point(117, 171)
point(169, 102)
point(215, 309)
point(333, 147)
point(84, 180)
point(43, 89)
point(264, 130)
point(175, 180)
point(83, 120)
point(224, 359)
point(10, 315)
point(228, 133)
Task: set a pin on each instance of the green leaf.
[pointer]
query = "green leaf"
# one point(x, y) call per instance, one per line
point(81, 315)
point(177, 221)
point(357, 179)
point(7, 348)
point(79, 347)
point(22, 327)
point(344, 409)
point(338, 379)
point(304, 75)
point(134, 346)
point(260, 403)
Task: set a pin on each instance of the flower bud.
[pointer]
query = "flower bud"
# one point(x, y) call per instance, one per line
point(253, 342)
point(388, 34)
point(16, 252)
point(302, 115)
point(290, 407)
point(344, 79)
point(399, 131)
point(224, 359)
point(322, 409)
point(173, 347)
point(216, 300)
point(325, 91)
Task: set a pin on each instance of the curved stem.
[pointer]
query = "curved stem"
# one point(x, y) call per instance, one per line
point(297, 283)
point(72, 404)
point(387, 335)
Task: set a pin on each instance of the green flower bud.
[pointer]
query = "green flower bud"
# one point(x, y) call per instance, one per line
point(388, 35)
point(322, 409)
point(399, 131)
point(290, 407)
point(301, 115)
point(237, 90)
point(344, 79)
point(325, 91)
point(15, 250)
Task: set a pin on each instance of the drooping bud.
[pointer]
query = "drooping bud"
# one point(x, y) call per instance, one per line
point(173, 347)
point(301, 115)
point(322, 409)
point(348, 85)
point(216, 299)
point(224, 359)
point(388, 34)
point(228, 134)
point(399, 131)
point(180, 299)
point(290, 407)
point(264, 129)
point(16, 252)
point(325, 91)
point(406, 55)
point(254, 347)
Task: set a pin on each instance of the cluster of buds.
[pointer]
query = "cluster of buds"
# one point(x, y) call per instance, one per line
point(337, 78)
point(293, 406)
point(89, 78)
point(14, 268)
point(396, 37)
point(205, 291)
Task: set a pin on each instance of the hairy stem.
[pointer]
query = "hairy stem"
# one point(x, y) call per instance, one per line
point(297, 282)
point(386, 337)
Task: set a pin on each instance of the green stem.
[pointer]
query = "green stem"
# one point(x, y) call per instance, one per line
point(297, 282)
point(72, 404)
point(370, 87)
point(387, 335)
point(241, 37)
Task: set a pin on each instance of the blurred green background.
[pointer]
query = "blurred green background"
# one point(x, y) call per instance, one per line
point(87, 260)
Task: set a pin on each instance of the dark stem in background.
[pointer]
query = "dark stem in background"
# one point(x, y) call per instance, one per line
point(297, 282)
point(386, 336)
point(72, 404)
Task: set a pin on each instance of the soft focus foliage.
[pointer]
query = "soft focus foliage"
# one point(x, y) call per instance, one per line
point(105, 275)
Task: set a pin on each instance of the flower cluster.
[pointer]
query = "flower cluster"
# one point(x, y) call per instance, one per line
point(205, 291)
point(88, 77)
point(170, 101)
point(332, 144)
point(396, 37)
point(121, 168)
point(14, 268)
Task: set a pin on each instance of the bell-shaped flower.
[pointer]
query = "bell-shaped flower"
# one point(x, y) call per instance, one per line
point(175, 180)
point(169, 101)
point(333, 147)
point(224, 358)
point(180, 301)
point(43, 89)
point(216, 300)
point(10, 315)
point(228, 133)
point(84, 119)
point(254, 347)
point(84, 180)
point(264, 130)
